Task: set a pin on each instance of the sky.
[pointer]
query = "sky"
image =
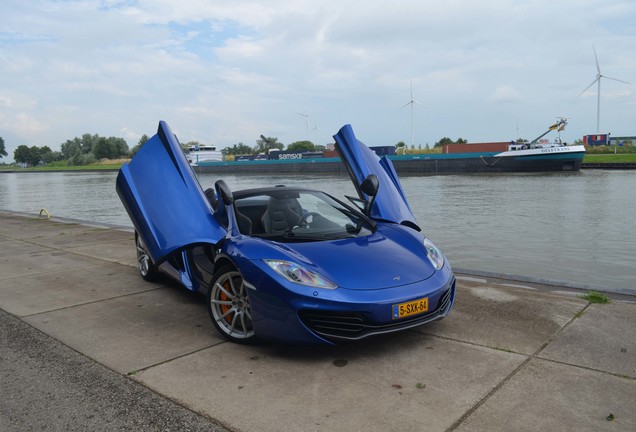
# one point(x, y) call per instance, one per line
point(226, 71)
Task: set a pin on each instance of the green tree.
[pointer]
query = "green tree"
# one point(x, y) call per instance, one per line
point(119, 147)
point(80, 158)
point(70, 147)
point(87, 142)
point(47, 155)
point(109, 148)
point(265, 144)
point(102, 149)
point(237, 149)
point(302, 146)
point(443, 141)
point(89, 147)
point(22, 154)
point(3, 151)
point(35, 156)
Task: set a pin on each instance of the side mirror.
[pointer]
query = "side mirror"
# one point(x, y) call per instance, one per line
point(224, 192)
point(370, 185)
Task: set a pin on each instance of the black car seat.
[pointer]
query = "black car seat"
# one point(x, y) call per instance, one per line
point(281, 215)
point(244, 223)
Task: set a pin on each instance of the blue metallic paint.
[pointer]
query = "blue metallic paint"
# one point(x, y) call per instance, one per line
point(164, 199)
point(374, 272)
point(390, 203)
point(275, 303)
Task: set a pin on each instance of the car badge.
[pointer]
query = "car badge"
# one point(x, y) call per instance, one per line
point(396, 278)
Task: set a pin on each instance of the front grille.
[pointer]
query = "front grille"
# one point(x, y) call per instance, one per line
point(335, 326)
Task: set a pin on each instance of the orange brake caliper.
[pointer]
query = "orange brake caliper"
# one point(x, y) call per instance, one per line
point(224, 307)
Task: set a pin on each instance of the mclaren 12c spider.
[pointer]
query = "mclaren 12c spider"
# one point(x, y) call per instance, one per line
point(285, 263)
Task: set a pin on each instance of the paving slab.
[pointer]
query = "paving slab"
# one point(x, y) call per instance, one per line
point(136, 331)
point(132, 262)
point(31, 228)
point(604, 338)
point(548, 396)
point(408, 382)
point(42, 261)
point(506, 318)
point(10, 220)
point(95, 236)
point(44, 292)
point(10, 247)
point(47, 386)
point(121, 251)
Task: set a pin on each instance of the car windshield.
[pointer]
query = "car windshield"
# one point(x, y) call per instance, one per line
point(292, 215)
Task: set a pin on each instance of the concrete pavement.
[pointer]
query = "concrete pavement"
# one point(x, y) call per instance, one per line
point(511, 356)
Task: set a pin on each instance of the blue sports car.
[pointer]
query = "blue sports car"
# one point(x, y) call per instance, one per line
point(286, 263)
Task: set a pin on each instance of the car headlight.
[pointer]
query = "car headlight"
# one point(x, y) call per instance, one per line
point(298, 274)
point(434, 255)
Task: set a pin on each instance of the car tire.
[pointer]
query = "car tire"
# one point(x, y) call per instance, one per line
point(229, 306)
point(146, 267)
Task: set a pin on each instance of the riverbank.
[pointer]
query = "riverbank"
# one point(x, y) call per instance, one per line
point(58, 168)
point(570, 363)
point(592, 161)
point(609, 161)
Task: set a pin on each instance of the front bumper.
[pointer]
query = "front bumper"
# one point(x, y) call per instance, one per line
point(292, 313)
point(344, 326)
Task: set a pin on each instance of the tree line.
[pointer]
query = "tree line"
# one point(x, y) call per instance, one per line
point(265, 144)
point(82, 150)
point(89, 148)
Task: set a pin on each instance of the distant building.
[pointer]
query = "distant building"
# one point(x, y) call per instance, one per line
point(621, 141)
point(606, 139)
point(596, 139)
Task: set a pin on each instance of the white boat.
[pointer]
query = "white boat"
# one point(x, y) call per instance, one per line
point(203, 153)
point(543, 154)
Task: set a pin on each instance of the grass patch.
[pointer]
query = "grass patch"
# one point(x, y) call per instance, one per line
point(610, 158)
point(595, 297)
point(98, 166)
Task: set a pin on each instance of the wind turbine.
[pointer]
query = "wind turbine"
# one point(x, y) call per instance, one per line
point(306, 122)
point(411, 102)
point(597, 80)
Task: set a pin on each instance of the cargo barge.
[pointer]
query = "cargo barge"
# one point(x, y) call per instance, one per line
point(498, 157)
point(561, 159)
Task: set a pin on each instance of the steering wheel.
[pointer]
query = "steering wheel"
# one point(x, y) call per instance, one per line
point(303, 223)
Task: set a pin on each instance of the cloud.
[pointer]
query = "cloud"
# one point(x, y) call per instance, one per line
point(506, 93)
point(224, 72)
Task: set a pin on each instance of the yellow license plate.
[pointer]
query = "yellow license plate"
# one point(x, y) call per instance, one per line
point(403, 310)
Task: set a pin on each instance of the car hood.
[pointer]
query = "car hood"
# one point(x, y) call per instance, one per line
point(390, 203)
point(164, 199)
point(377, 261)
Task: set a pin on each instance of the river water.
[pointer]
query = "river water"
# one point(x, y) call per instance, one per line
point(574, 227)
